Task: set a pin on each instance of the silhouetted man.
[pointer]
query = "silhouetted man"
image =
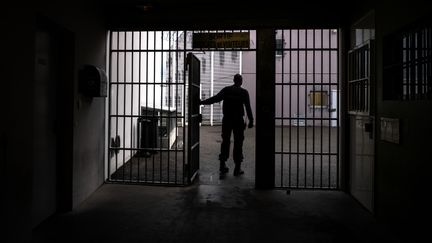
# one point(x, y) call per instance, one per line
point(235, 100)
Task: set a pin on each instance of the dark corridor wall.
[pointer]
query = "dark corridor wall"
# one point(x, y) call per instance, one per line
point(402, 178)
point(85, 21)
point(403, 170)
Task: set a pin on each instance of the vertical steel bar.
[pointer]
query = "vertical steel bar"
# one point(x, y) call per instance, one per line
point(146, 85)
point(313, 110)
point(117, 98)
point(290, 108)
point(298, 105)
point(404, 69)
point(417, 65)
point(321, 110)
point(423, 64)
point(420, 64)
point(154, 103)
point(328, 103)
point(361, 80)
point(350, 77)
point(139, 107)
point(305, 106)
point(176, 103)
point(131, 117)
point(410, 67)
point(367, 79)
point(337, 107)
point(366, 88)
point(110, 103)
point(124, 105)
point(161, 112)
point(169, 106)
point(282, 106)
point(355, 71)
point(184, 103)
point(358, 82)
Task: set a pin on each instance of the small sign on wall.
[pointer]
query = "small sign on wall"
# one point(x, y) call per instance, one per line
point(390, 129)
point(220, 40)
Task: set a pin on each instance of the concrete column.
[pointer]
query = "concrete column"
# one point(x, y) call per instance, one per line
point(265, 109)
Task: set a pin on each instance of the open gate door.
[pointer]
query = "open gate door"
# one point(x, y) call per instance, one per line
point(194, 117)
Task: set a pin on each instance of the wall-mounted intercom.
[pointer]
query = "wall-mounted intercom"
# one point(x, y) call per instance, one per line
point(92, 81)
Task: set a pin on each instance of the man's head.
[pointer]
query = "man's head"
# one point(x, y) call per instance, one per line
point(238, 80)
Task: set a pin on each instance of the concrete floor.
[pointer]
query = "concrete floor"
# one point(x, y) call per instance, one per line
point(213, 213)
point(214, 210)
point(210, 142)
point(167, 167)
point(297, 170)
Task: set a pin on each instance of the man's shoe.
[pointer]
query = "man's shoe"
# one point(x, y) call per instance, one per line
point(238, 171)
point(223, 170)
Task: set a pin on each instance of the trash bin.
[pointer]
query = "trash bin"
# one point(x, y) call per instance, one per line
point(147, 135)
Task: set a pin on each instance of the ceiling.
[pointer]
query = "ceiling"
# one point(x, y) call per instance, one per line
point(226, 14)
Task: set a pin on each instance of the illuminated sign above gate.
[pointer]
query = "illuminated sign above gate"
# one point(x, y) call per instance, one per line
point(220, 40)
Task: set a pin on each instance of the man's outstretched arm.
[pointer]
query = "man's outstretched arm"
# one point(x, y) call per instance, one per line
point(214, 99)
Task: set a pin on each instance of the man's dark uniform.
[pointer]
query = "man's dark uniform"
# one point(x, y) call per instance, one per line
point(235, 99)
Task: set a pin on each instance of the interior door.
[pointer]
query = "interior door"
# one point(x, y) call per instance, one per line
point(44, 170)
point(362, 123)
point(194, 116)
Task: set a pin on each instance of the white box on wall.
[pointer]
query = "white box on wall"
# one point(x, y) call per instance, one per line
point(390, 129)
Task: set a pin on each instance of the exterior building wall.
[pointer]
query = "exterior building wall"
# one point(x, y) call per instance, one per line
point(310, 58)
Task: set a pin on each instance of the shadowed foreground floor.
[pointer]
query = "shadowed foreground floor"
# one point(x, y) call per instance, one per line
point(212, 213)
point(214, 209)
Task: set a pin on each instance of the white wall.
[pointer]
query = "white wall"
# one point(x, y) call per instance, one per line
point(136, 67)
point(305, 66)
point(249, 76)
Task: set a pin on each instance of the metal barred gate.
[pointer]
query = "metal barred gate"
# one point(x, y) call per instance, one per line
point(307, 109)
point(147, 107)
point(152, 137)
point(149, 136)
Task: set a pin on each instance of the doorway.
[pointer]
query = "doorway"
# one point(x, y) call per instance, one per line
point(149, 103)
point(308, 108)
point(53, 126)
point(149, 107)
point(223, 65)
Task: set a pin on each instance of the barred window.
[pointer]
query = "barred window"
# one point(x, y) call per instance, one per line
point(408, 63)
